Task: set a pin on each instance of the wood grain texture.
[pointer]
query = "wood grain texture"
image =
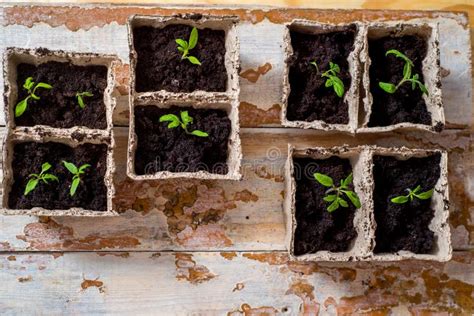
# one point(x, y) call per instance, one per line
point(135, 264)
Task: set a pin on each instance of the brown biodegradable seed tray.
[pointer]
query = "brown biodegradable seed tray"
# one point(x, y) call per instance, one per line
point(232, 59)
point(360, 161)
point(14, 56)
point(439, 203)
point(364, 222)
point(234, 147)
point(431, 73)
point(42, 133)
point(351, 96)
point(59, 137)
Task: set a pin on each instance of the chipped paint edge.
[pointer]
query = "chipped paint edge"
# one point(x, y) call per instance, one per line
point(355, 69)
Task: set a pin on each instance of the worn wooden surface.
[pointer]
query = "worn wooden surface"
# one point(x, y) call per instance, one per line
point(124, 264)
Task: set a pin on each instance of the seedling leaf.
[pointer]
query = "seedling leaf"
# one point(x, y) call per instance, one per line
point(330, 198)
point(199, 133)
point(387, 87)
point(30, 186)
point(43, 85)
point(333, 206)
point(182, 43)
point(193, 38)
point(21, 107)
point(353, 197)
point(71, 167)
point(324, 179)
point(425, 195)
point(74, 185)
point(194, 60)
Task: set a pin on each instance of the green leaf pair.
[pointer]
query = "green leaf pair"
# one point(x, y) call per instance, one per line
point(402, 199)
point(77, 173)
point(185, 46)
point(42, 176)
point(332, 78)
point(175, 121)
point(30, 86)
point(407, 75)
point(335, 194)
point(80, 98)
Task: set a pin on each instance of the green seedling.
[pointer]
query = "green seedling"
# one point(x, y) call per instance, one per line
point(334, 194)
point(332, 80)
point(407, 75)
point(80, 98)
point(30, 86)
point(402, 199)
point(185, 46)
point(77, 173)
point(185, 120)
point(42, 176)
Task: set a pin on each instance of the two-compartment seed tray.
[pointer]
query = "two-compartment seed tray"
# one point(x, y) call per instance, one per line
point(322, 121)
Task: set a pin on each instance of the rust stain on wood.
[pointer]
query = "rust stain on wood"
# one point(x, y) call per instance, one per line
point(272, 258)
point(11, 258)
point(75, 18)
point(252, 75)
point(245, 196)
point(238, 287)
point(247, 310)
point(262, 172)
point(48, 234)
point(93, 283)
point(25, 279)
point(305, 292)
point(229, 255)
point(251, 115)
point(122, 78)
point(188, 270)
point(115, 254)
point(5, 245)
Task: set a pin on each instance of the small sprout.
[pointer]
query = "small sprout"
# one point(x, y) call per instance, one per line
point(42, 176)
point(80, 98)
point(402, 199)
point(332, 79)
point(407, 75)
point(335, 198)
point(77, 172)
point(185, 46)
point(31, 87)
point(185, 120)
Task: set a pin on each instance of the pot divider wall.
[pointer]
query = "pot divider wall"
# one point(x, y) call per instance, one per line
point(72, 137)
point(351, 96)
point(364, 222)
point(430, 68)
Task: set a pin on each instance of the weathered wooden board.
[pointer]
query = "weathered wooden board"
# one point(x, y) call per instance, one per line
point(241, 223)
point(230, 283)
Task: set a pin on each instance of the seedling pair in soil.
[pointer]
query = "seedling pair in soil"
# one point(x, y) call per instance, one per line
point(407, 75)
point(30, 86)
point(185, 46)
point(332, 79)
point(45, 177)
point(402, 199)
point(175, 121)
point(334, 194)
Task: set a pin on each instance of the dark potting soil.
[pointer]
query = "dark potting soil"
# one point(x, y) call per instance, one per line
point(404, 226)
point(160, 148)
point(91, 193)
point(317, 229)
point(406, 104)
point(309, 99)
point(58, 107)
point(160, 67)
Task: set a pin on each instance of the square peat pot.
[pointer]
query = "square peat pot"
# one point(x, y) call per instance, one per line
point(408, 107)
point(418, 228)
point(25, 154)
point(158, 71)
point(80, 98)
point(314, 233)
point(158, 150)
point(310, 98)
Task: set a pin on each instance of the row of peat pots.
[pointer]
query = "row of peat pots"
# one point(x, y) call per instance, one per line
point(363, 203)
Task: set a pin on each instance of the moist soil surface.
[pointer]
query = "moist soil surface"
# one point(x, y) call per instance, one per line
point(58, 107)
point(404, 226)
point(309, 99)
point(406, 104)
point(160, 67)
point(91, 193)
point(317, 229)
point(160, 148)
